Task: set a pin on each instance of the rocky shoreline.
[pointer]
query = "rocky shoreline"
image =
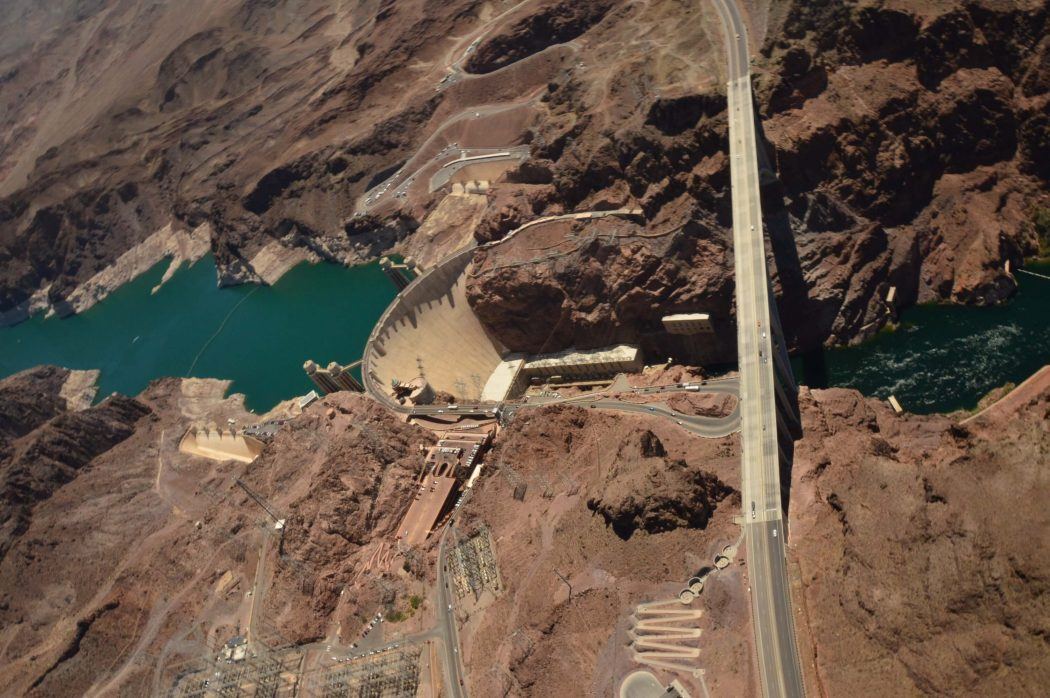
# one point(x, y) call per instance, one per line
point(907, 156)
point(180, 247)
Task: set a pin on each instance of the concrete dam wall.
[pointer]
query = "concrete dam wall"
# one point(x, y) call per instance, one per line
point(430, 331)
point(220, 444)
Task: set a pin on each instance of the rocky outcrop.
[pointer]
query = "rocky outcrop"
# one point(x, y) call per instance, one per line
point(911, 126)
point(571, 578)
point(43, 446)
point(906, 142)
point(911, 141)
point(351, 500)
point(916, 539)
point(646, 491)
point(29, 399)
point(603, 283)
point(147, 543)
point(703, 404)
point(556, 22)
point(204, 123)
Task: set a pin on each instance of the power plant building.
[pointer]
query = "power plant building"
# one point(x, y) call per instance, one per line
point(584, 364)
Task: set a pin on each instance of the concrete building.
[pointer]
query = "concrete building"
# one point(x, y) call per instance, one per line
point(344, 378)
point(321, 378)
point(688, 323)
point(416, 392)
point(505, 381)
point(308, 399)
point(583, 364)
point(446, 467)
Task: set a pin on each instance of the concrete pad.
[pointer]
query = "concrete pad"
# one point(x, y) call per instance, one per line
point(641, 684)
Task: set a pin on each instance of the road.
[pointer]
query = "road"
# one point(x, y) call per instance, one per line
point(447, 624)
point(440, 178)
point(258, 587)
point(707, 427)
point(774, 627)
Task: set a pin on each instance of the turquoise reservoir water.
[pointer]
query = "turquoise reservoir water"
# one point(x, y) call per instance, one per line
point(945, 358)
point(941, 358)
point(258, 336)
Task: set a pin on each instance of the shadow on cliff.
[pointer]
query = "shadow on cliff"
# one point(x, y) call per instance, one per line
point(794, 303)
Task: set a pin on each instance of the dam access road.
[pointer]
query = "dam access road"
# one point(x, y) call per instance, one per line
point(774, 626)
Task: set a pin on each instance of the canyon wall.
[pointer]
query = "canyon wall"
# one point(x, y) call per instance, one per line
point(910, 141)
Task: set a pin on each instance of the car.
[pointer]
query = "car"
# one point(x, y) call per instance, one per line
point(652, 409)
point(450, 607)
point(753, 514)
point(678, 422)
point(763, 335)
point(441, 411)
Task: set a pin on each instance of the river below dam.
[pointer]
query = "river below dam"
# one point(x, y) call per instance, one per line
point(258, 336)
point(939, 359)
point(942, 358)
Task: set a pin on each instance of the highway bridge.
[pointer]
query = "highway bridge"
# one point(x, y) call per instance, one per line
point(763, 373)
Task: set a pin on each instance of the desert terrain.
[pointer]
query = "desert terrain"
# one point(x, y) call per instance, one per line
point(907, 140)
point(909, 534)
point(903, 161)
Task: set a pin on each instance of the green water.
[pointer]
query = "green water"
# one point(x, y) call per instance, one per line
point(258, 336)
point(941, 358)
point(945, 358)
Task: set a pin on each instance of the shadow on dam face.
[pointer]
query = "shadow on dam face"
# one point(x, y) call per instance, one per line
point(431, 331)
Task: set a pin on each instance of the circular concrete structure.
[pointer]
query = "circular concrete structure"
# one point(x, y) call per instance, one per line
point(641, 684)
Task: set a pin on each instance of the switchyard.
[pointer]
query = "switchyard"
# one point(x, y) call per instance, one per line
point(259, 674)
point(472, 565)
point(390, 673)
